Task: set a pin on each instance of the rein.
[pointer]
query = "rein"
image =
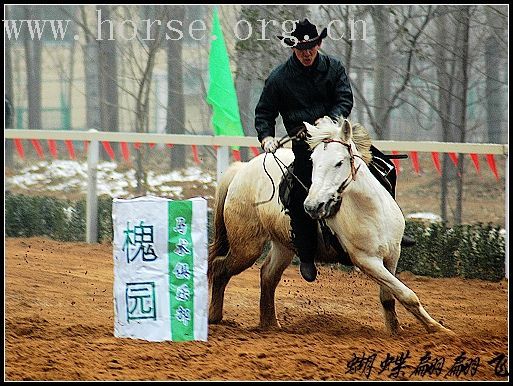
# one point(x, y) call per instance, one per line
point(300, 134)
point(352, 176)
point(283, 140)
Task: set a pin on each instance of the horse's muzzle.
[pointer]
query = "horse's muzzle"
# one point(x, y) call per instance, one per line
point(320, 210)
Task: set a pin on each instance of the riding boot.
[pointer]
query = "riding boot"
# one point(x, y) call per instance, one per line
point(303, 235)
point(304, 228)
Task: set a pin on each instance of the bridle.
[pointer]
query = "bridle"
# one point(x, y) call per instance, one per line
point(352, 156)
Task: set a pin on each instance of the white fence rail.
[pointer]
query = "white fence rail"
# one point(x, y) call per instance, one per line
point(177, 139)
point(223, 155)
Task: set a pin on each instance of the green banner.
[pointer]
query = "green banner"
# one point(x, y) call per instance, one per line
point(181, 270)
point(221, 92)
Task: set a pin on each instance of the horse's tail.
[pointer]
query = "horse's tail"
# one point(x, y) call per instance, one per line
point(220, 245)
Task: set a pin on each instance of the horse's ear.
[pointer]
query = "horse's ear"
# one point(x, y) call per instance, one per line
point(346, 131)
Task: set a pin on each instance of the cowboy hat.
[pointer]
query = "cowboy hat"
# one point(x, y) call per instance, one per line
point(304, 36)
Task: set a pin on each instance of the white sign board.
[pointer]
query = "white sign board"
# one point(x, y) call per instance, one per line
point(160, 268)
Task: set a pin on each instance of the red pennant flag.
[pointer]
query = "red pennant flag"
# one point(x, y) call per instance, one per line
point(71, 149)
point(19, 147)
point(475, 160)
point(255, 151)
point(152, 145)
point(38, 147)
point(169, 145)
point(236, 155)
point(454, 159)
point(436, 161)
point(52, 146)
point(396, 162)
point(215, 147)
point(137, 145)
point(108, 149)
point(491, 163)
point(125, 151)
point(415, 161)
point(195, 154)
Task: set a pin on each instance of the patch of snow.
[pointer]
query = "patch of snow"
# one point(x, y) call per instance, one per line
point(71, 176)
point(427, 216)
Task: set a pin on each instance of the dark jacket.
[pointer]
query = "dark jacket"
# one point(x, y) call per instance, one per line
point(302, 93)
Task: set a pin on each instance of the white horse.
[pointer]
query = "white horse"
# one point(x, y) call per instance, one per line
point(365, 218)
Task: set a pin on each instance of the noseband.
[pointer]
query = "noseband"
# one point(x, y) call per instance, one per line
point(354, 170)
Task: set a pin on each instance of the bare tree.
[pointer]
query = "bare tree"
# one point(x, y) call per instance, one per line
point(388, 60)
point(139, 56)
point(9, 95)
point(464, 19)
point(90, 64)
point(445, 69)
point(33, 49)
point(175, 92)
point(382, 78)
point(493, 64)
point(107, 72)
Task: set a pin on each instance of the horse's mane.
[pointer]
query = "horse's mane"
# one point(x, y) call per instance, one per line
point(327, 129)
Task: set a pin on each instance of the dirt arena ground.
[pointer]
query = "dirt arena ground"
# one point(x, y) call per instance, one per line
point(59, 326)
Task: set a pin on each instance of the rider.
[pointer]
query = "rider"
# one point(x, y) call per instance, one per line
point(307, 87)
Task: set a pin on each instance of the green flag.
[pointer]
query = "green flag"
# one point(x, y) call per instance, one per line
point(221, 91)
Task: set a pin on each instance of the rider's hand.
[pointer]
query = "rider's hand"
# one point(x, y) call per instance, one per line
point(270, 144)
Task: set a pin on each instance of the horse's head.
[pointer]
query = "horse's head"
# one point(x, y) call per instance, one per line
point(335, 164)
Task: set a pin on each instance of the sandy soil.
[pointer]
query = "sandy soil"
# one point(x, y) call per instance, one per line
point(59, 326)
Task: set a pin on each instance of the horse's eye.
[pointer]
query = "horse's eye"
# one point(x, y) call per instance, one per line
point(339, 164)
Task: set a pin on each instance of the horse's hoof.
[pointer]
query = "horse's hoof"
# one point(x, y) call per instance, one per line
point(395, 331)
point(448, 332)
point(442, 330)
point(269, 326)
point(215, 319)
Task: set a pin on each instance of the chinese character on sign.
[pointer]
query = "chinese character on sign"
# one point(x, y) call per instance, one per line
point(183, 293)
point(181, 248)
point(181, 226)
point(181, 271)
point(140, 301)
point(363, 364)
point(142, 240)
point(183, 315)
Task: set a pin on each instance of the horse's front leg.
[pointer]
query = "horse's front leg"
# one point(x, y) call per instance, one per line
point(373, 266)
point(278, 258)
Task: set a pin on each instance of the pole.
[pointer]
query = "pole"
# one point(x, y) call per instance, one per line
point(92, 196)
point(223, 160)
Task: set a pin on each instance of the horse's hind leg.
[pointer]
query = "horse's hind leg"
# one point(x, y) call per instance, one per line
point(373, 266)
point(223, 268)
point(277, 260)
point(218, 281)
